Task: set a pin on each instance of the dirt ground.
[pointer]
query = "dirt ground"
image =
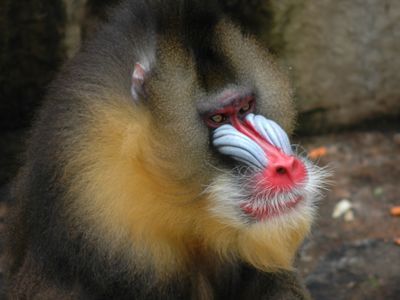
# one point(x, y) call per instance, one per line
point(353, 256)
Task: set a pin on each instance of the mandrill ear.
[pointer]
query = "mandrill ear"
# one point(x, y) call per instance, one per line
point(138, 79)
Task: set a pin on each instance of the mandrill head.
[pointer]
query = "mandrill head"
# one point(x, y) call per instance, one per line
point(223, 120)
point(199, 155)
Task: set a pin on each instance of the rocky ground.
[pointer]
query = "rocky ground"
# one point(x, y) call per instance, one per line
point(352, 256)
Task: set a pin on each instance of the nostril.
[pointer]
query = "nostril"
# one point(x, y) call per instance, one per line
point(286, 167)
point(283, 173)
point(281, 170)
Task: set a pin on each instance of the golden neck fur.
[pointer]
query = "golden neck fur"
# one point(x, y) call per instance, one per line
point(125, 197)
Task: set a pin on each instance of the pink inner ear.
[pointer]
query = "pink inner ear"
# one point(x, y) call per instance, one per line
point(138, 77)
point(138, 74)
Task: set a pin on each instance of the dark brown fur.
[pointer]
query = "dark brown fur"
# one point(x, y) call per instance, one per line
point(73, 233)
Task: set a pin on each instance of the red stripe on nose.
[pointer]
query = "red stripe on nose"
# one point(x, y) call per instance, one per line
point(283, 171)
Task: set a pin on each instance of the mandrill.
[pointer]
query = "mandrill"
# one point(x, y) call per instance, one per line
point(159, 168)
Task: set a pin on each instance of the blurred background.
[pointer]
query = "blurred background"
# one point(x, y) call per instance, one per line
point(343, 59)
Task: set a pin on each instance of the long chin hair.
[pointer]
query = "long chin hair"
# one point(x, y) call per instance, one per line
point(271, 243)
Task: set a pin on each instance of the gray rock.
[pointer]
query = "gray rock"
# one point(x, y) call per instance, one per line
point(343, 56)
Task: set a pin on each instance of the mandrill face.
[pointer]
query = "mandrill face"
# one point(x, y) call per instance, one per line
point(266, 180)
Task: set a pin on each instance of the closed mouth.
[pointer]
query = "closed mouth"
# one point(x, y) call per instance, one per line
point(262, 209)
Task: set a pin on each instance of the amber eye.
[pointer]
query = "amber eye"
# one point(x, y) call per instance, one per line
point(245, 108)
point(219, 118)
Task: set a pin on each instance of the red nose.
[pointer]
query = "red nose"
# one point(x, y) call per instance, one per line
point(283, 172)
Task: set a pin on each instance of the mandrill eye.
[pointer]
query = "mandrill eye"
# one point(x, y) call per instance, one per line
point(214, 121)
point(219, 118)
point(245, 108)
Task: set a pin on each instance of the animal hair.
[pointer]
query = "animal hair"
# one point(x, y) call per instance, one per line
point(124, 199)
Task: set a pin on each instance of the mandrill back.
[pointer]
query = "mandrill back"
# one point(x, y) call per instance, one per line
point(159, 168)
